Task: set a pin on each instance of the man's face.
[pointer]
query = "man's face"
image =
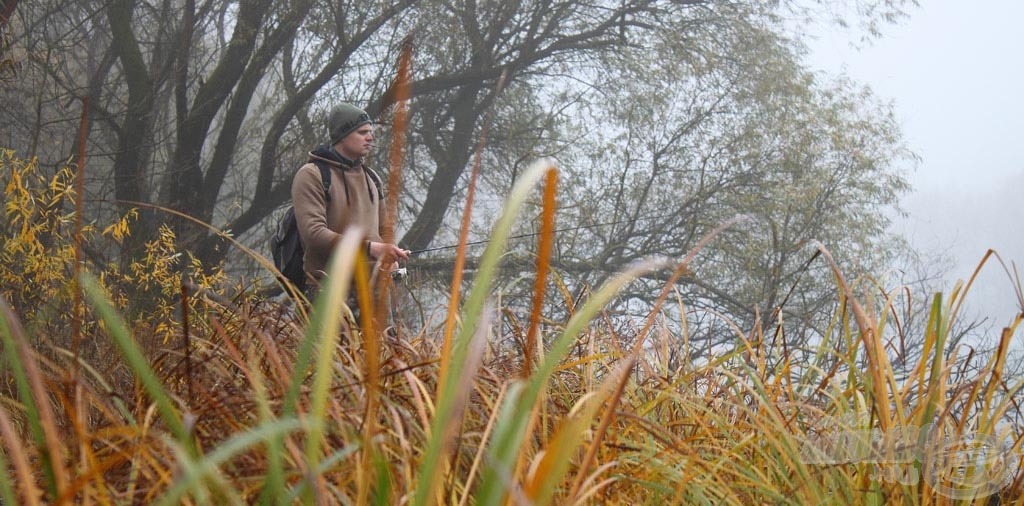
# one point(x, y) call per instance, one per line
point(356, 144)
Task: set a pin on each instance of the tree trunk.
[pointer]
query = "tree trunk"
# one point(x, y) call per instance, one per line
point(133, 138)
point(184, 181)
point(451, 161)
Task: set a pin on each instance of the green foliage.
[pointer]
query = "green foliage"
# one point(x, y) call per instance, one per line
point(699, 127)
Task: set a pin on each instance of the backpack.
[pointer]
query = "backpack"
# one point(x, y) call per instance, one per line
point(286, 245)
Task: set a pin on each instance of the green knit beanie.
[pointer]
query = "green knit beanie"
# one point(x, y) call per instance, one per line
point(343, 120)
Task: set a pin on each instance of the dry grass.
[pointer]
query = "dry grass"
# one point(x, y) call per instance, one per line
point(258, 405)
point(248, 402)
point(607, 426)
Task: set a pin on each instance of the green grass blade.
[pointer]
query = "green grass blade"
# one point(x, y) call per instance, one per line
point(382, 490)
point(325, 329)
point(6, 487)
point(570, 434)
point(19, 360)
point(511, 430)
point(23, 469)
point(327, 307)
point(196, 472)
point(432, 463)
point(938, 327)
point(132, 354)
point(322, 332)
point(325, 464)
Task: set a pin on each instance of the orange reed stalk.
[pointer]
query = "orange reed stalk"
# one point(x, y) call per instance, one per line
point(372, 347)
point(547, 235)
point(398, 128)
point(460, 254)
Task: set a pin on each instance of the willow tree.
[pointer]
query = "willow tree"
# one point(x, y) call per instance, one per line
point(207, 107)
point(704, 114)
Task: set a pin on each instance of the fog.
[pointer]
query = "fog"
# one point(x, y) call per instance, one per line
point(953, 71)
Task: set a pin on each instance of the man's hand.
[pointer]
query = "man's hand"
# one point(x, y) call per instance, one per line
point(387, 253)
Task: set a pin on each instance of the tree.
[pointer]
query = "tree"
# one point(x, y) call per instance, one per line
point(181, 91)
point(207, 107)
point(704, 117)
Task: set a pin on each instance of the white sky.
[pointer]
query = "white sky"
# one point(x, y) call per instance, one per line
point(955, 72)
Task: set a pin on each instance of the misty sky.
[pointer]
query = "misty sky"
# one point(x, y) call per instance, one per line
point(954, 72)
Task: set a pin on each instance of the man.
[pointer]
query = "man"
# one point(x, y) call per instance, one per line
point(355, 198)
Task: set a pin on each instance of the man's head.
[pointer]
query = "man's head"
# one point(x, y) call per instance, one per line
point(350, 130)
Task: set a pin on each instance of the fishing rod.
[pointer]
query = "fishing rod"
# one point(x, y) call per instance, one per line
point(534, 234)
point(402, 272)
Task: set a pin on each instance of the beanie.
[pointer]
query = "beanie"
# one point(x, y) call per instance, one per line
point(343, 120)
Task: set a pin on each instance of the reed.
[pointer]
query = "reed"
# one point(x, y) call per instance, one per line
point(275, 407)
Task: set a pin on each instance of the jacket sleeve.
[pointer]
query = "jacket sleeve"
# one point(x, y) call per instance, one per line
point(311, 211)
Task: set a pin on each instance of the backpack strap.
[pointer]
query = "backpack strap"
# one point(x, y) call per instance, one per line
point(325, 176)
point(376, 181)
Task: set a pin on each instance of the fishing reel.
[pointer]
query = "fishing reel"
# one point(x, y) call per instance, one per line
point(399, 274)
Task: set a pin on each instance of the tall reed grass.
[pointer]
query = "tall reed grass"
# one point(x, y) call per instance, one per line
point(257, 404)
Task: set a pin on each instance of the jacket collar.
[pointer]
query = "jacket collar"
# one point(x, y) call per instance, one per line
point(327, 153)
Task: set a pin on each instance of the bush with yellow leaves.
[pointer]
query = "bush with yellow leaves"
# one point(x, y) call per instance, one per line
point(37, 256)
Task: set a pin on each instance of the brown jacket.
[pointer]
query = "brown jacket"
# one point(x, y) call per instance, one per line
point(355, 202)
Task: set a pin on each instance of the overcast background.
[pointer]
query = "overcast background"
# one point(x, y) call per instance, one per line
point(954, 71)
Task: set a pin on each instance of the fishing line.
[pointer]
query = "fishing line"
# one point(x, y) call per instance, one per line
point(534, 234)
